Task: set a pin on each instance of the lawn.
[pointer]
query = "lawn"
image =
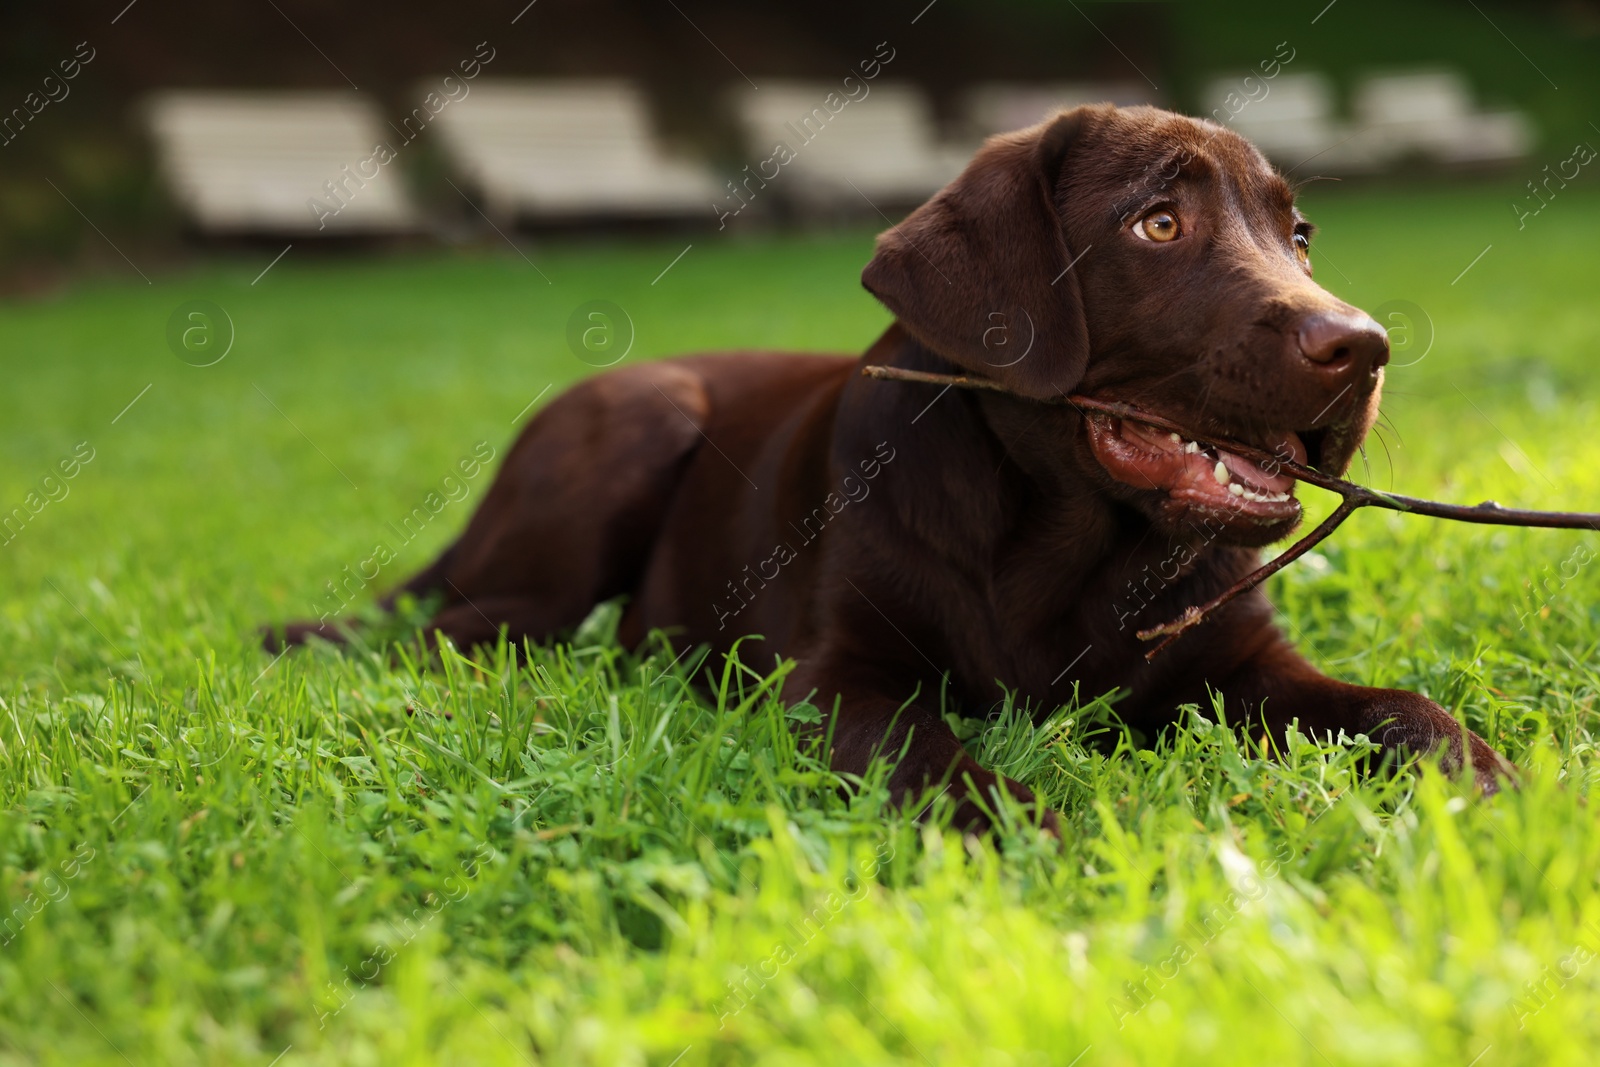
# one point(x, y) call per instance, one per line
point(211, 857)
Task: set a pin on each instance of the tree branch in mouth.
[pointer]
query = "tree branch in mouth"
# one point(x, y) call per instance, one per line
point(1352, 496)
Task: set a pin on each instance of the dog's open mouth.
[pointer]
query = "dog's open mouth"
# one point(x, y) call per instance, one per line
point(1199, 475)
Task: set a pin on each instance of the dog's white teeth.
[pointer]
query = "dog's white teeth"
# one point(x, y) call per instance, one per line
point(1260, 498)
point(1220, 473)
point(1174, 438)
point(1191, 447)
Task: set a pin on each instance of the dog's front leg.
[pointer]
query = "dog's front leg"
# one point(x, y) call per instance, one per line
point(1278, 686)
point(872, 723)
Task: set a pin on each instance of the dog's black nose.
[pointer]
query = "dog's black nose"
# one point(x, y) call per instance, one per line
point(1344, 340)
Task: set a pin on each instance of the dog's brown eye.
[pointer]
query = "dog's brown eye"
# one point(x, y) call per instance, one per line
point(1160, 225)
point(1302, 247)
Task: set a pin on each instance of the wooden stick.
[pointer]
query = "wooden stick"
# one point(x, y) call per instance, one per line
point(899, 374)
point(1353, 496)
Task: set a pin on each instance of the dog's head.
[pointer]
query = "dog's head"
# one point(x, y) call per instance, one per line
point(1136, 255)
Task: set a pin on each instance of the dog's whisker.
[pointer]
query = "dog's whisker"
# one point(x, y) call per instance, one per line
point(1387, 454)
point(1388, 423)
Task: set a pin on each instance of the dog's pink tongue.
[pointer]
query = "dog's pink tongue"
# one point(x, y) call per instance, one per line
point(1252, 473)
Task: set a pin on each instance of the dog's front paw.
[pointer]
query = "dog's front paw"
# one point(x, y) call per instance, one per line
point(1490, 769)
point(980, 789)
point(1411, 723)
point(284, 636)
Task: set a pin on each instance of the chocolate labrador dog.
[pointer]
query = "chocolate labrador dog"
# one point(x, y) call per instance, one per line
point(894, 538)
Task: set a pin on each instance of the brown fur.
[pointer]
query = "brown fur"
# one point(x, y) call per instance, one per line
point(988, 543)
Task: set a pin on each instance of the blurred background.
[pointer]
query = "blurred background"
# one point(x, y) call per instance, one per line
point(149, 132)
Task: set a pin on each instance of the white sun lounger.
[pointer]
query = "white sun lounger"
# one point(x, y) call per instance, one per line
point(564, 149)
point(254, 162)
point(1292, 118)
point(1430, 113)
point(998, 107)
point(878, 150)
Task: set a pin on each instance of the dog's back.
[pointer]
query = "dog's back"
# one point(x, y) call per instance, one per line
point(690, 486)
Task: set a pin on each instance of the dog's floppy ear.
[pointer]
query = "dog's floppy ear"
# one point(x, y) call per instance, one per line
point(979, 273)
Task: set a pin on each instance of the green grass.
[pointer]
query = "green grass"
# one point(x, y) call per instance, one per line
point(209, 858)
